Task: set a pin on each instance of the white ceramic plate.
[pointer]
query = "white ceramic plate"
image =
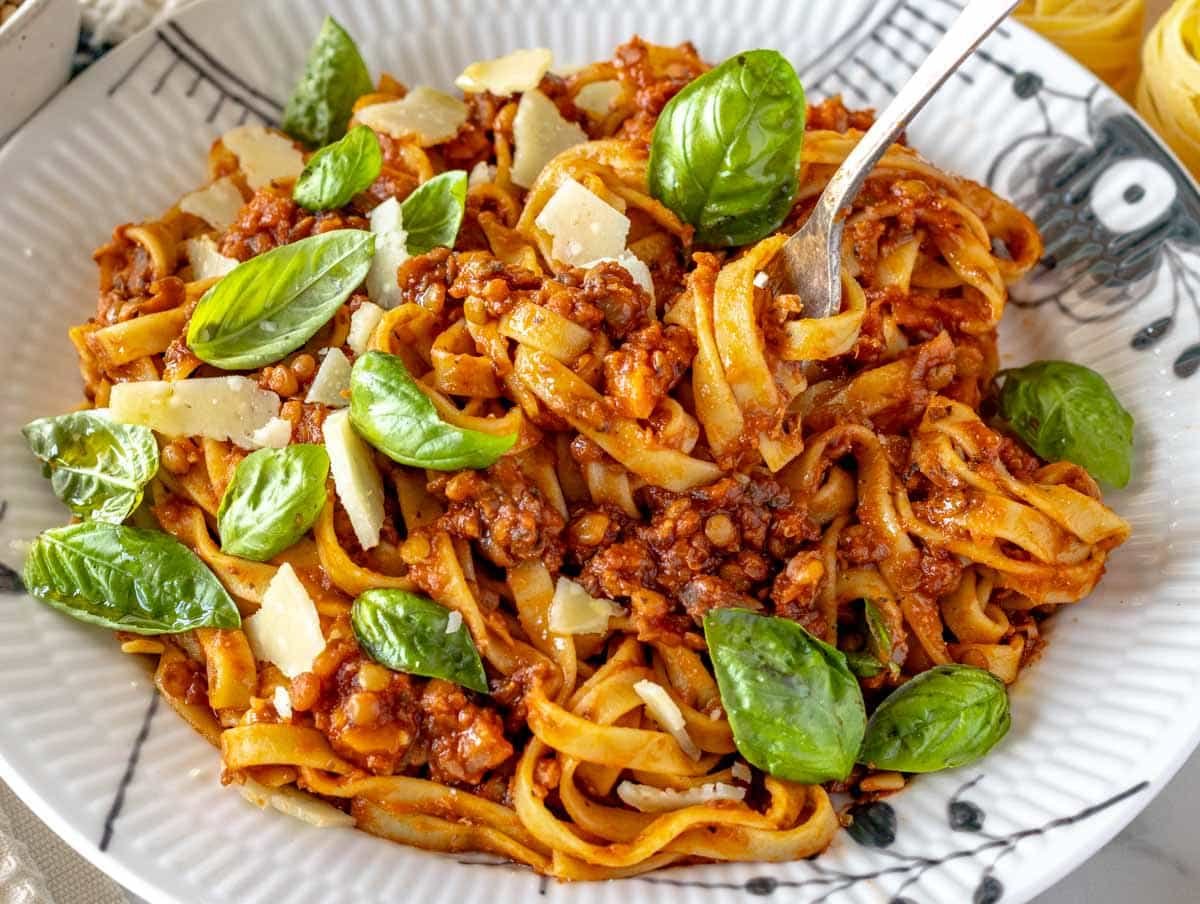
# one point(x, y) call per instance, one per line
point(1099, 723)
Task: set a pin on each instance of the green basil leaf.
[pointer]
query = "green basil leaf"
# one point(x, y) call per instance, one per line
point(795, 708)
point(272, 501)
point(339, 171)
point(144, 581)
point(725, 151)
point(863, 664)
point(407, 632)
point(96, 466)
point(393, 415)
point(432, 214)
point(335, 76)
point(948, 716)
point(1067, 412)
point(274, 303)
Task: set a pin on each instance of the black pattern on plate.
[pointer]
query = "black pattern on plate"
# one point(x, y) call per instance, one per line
point(135, 752)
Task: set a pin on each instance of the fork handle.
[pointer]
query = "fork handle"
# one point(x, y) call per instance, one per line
point(974, 23)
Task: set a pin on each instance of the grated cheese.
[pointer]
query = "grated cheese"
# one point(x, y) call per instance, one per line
point(741, 772)
point(263, 155)
point(649, 799)
point(332, 381)
point(286, 630)
point(355, 478)
point(391, 250)
point(481, 174)
point(453, 622)
point(232, 408)
point(274, 434)
point(761, 279)
point(428, 115)
point(575, 611)
point(362, 324)
point(207, 262)
point(540, 133)
point(217, 204)
point(584, 228)
point(665, 711)
point(521, 70)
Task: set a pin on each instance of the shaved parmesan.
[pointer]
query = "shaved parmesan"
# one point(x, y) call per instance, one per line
point(362, 324)
point(355, 478)
point(391, 250)
point(521, 70)
point(741, 772)
point(583, 227)
point(425, 114)
point(283, 702)
point(575, 611)
point(453, 622)
point(761, 279)
point(481, 174)
point(665, 711)
point(232, 408)
point(297, 804)
point(218, 204)
point(635, 267)
point(540, 133)
point(649, 799)
point(275, 433)
point(332, 382)
point(286, 630)
point(207, 262)
point(263, 156)
point(597, 98)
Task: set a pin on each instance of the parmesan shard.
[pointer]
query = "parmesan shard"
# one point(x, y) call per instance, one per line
point(575, 611)
point(453, 622)
point(391, 250)
point(649, 799)
point(282, 701)
point(206, 261)
point(292, 802)
point(596, 98)
point(355, 477)
point(741, 772)
point(362, 324)
point(425, 114)
point(540, 133)
point(217, 204)
point(521, 70)
point(286, 630)
point(263, 155)
point(331, 384)
point(274, 434)
point(665, 711)
point(635, 266)
point(232, 408)
point(584, 228)
point(481, 174)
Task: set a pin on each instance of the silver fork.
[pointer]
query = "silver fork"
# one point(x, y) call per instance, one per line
point(809, 263)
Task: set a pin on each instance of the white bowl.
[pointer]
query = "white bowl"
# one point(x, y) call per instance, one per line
point(36, 48)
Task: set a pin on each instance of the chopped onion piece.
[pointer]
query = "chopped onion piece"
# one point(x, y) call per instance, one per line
point(521, 70)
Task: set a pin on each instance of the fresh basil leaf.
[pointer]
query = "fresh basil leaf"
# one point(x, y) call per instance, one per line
point(407, 632)
point(335, 76)
point(948, 716)
point(274, 303)
point(432, 214)
point(1067, 412)
point(725, 152)
point(272, 501)
point(96, 466)
point(339, 171)
point(393, 415)
point(144, 581)
point(795, 708)
point(863, 664)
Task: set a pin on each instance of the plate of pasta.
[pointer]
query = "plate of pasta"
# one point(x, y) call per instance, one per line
point(422, 487)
